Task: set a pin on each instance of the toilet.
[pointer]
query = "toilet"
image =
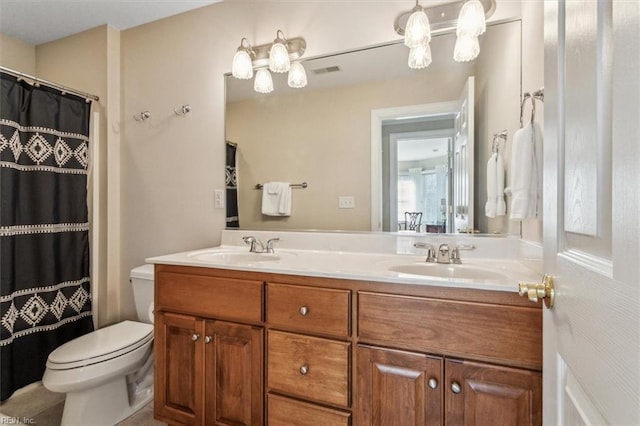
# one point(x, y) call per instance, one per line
point(108, 373)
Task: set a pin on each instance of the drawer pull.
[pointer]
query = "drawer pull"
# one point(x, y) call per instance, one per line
point(304, 370)
point(304, 311)
point(455, 387)
point(433, 383)
point(195, 337)
point(207, 339)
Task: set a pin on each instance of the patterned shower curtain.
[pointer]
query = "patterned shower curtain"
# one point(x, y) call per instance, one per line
point(231, 180)
point(44, 243)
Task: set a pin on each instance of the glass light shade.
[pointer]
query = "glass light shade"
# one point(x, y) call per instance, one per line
point(297, 76)
point(466, 49)
point(420, 56)
point(418, 30)
point(279, 58)
point(263, 82)
point(471, 21)
point(242, 67)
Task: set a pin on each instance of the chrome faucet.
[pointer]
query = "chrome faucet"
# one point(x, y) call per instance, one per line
point(444, 255)
point(257, 246)
point(254, 242)
point(431, 251)
point(270, 242)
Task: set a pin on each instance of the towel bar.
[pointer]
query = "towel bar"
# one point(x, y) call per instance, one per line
point(293, 185)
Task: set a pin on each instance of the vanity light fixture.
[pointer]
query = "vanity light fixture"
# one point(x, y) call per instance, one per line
point(297, 76)
point(420, 56)
point(280, 56)
point(471, 24)
point(466, 17)
point(418, 30)
point(263, 82)
point(242, 66)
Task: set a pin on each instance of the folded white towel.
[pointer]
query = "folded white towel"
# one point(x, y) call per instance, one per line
point(495, 205)
point(276, 199)
point(526, 172)
point(492, 195)
point(501, 206)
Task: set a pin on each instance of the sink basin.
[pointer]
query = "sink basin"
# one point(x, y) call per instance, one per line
point(235, 258)
point(451, 271)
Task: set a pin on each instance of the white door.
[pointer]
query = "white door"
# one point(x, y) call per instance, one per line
point(463, 159)
point(591, 212)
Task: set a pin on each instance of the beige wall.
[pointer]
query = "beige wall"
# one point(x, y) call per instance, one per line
point(17, 55)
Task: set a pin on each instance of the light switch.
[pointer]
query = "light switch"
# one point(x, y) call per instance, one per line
point(218, 199)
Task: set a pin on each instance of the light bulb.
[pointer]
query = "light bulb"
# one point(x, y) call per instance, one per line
point(471, 20)
point(263, 82)
point(279, 54)
point(420, 56)
point(466, 49)
point(242, 67)
point(297, 76)
point(418, 30)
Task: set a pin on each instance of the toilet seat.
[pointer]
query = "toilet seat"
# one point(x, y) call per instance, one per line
point(101, 345)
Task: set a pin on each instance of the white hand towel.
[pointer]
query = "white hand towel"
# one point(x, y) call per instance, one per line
point(526, 172)
point(492, 194)
point(501, 206)
point(276, 199)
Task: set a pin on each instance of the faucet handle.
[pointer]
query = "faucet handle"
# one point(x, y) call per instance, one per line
point(251, 241)
point(431, 251)
point(270, 244)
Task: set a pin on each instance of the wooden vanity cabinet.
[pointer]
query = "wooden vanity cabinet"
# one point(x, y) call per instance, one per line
point(308, 355)
point(408, 387)
point(250, 348)
point(208, 370)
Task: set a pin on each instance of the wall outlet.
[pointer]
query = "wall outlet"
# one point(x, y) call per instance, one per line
point(347, 202)
point(218, 199)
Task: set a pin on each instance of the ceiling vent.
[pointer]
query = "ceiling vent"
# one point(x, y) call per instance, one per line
point(326, 70)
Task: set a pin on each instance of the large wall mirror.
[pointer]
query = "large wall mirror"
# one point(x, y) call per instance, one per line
point(387, 139)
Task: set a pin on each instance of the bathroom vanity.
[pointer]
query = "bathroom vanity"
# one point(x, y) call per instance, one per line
point(238, 342)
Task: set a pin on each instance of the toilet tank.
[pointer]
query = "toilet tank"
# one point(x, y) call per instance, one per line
point(142, 282)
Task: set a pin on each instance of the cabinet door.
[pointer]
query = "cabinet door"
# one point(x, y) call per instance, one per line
point(234, 379)
point(179, 370)
point(481, 394)
point(397, 388)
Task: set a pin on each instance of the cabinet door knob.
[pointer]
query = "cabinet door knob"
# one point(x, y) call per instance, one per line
point(304, 370)
point(455, 387)
point(304, 311)
point(207, 339)
point(194, 337)
point(433, 383)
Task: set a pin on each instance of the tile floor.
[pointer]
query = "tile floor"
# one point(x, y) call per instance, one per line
point(35, 405)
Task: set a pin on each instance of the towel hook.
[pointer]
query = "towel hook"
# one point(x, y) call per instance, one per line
point(183, 110)
point(144, 115)
point(526, 96)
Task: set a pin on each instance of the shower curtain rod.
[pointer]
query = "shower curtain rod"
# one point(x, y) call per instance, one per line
point(60, 87)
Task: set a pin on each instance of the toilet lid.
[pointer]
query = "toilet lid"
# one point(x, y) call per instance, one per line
point(102, 344)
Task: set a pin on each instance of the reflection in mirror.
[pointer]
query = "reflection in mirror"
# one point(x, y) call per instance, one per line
point(323, 135)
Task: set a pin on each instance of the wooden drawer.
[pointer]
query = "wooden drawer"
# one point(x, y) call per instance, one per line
point(326, 378)
point(506, 334)
point(207, 296)
point(285, 412)
point(308, 309)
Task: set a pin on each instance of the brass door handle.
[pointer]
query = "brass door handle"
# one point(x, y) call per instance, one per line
point(537, 291)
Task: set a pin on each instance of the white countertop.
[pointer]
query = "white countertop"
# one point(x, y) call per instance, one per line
point(473, 273)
